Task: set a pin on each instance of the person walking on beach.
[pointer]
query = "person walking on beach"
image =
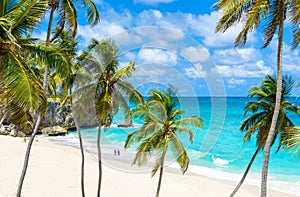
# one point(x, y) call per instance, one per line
point(118, 152)
point(115, 152)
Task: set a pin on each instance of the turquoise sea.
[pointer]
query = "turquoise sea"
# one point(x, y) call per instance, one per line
point(218, 149)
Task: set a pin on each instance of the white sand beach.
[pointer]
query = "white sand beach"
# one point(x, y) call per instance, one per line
point(54, 170)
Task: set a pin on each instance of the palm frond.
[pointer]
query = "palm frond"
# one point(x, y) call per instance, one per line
point(294, 8)
point(93, 15)
point(69, 14)
point(22, 83)
point(26, 15)
point(179, 152)
point(158, 110)
point(146, 148)
point(124, 72)
point(276, 7)
point(128, 90)
point(185, 130)
point(192, 121)
point(160, 157)
point(253, 107)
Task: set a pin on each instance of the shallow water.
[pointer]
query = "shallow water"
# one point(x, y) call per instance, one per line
point(218, 149)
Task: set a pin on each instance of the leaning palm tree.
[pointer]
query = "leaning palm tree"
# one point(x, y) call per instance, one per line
point(162, 123)
point(272, 14)
point(111, 92)
point(262, 110)
point(68, 14)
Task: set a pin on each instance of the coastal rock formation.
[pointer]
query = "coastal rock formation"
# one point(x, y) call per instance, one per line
point(54, 131)
point(11, 130)
point(125, 124)
point(58, 115)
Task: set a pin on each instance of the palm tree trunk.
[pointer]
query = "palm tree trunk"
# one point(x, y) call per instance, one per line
point(162, 167)
point(245, 173)
point(3, 117)
point(25, 165)
point(159, 181)
point(271, 134)
point(39, 116)
point(82, 162)
point(99, 159)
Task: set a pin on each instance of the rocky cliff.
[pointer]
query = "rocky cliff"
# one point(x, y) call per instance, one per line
point(58, 115)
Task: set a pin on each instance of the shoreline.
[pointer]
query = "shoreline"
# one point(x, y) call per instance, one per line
point(54, 170)
point(252, 182)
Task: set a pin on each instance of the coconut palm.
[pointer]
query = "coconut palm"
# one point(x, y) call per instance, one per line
point(20, 85)
point(67, 14)
point(107, 82)
point(67, 10)
point(262, 110)
point(162, 123)
point(22, 90)
point(272, 14)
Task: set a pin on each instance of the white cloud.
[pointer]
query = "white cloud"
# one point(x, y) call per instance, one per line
point(232, 83)
point(193, 54)
point(236, 55)
point(152, 55)
point(101, 31)
point(195, 72)
point(290, 58)
point(202, 25)
point(151, 2)
point(257, 69)
point(190, 24)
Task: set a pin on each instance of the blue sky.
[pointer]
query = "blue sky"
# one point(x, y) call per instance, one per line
point(173, 42)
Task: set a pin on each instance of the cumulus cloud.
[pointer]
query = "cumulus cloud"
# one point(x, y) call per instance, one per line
point(202, 25)
point(258, 69)
point(290, 58)
point(195, 72)
point(86, 33)
point(232, 83)
point(236, 55)
point(195, 54)
point(152, 55)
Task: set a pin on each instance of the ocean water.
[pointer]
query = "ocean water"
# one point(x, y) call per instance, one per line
point(218, 149)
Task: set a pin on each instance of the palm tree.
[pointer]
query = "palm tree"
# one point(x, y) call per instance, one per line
point(110, 89)
point(162, 123)
point(23, 92)
point(68, 14)
point(251, 14)
point(262, 110)
point(21, 88)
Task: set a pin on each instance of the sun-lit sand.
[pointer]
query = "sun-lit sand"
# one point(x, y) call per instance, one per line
point(54, 170)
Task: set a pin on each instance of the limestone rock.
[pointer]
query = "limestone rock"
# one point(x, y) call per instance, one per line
point(3, 131)
point(58, 115)
point(54, 131)
point(125, 124)
point(14, 133)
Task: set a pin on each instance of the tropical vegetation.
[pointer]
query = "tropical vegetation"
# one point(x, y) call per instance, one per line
point(32, 70)
point(261, 112)
point(110, 91)
point(272, 15)
point(163, 122)
point(18, 18)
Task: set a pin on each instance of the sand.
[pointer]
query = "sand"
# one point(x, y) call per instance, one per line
point(54, 170)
